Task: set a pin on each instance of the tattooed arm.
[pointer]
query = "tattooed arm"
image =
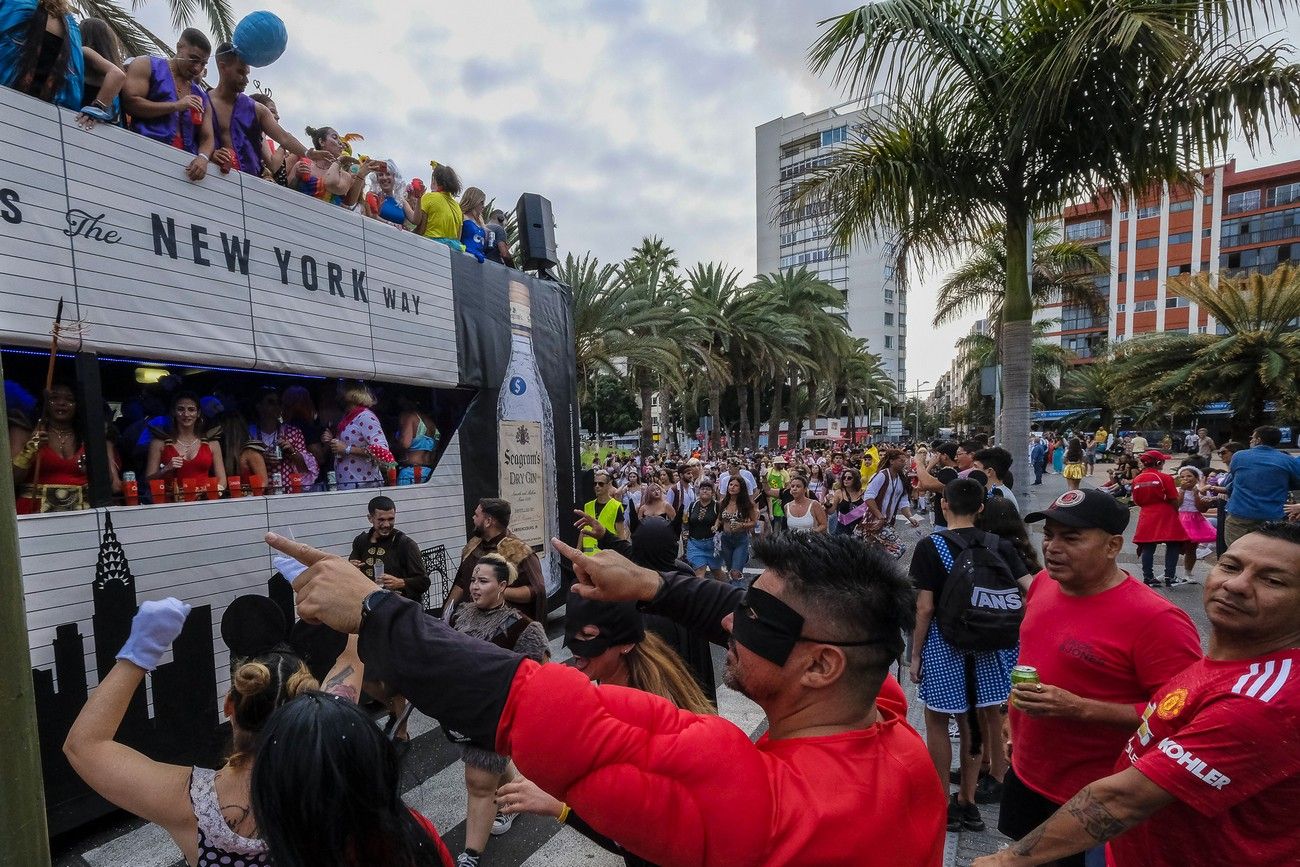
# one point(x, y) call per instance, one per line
point(1100, 812)
point(344, 679)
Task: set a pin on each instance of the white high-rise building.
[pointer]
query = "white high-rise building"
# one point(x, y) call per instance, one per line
point(875, 301)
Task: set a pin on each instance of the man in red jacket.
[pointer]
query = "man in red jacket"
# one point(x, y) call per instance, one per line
point(840, 778)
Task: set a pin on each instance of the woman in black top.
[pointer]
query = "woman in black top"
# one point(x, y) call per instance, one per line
point(701, 518)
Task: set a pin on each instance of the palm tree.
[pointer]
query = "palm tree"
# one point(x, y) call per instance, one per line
point(1063, 272)
point(1098, 386)
point(805, 298)
point(1048, 359)
point(1001, 113)
point(650, 275)
point(138, 40)
point(860, 383)
point(1253, 362)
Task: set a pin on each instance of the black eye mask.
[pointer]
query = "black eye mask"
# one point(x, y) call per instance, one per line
point(618, 622)
point(769, 628)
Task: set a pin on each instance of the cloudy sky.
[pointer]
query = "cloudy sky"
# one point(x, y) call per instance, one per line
point(635, 118)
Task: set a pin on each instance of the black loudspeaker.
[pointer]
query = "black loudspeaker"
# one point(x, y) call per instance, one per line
point(536, 232)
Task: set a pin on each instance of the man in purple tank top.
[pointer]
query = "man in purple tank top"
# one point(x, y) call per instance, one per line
point(167, 104)
point(240, 123)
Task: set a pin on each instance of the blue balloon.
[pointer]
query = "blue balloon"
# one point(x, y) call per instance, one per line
point(260, 38)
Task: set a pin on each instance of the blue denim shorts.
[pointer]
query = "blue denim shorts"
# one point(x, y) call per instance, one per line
point(699, 552)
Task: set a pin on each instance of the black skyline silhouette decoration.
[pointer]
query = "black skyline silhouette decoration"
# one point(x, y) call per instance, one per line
point(185, 727)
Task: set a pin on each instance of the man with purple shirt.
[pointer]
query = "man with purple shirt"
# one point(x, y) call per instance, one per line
point(166, 103)
point(239, 122)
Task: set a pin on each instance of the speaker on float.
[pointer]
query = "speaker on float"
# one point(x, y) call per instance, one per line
point(536, 232)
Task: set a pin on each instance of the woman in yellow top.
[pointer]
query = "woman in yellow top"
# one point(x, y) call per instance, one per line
point(440, 216)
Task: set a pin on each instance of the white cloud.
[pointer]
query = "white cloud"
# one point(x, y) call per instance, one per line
point(634, 117)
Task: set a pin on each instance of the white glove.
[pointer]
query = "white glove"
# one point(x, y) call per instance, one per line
point(287, 566)
point(153, 629)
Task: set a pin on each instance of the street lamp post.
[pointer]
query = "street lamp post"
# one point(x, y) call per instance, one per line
point(916, 424)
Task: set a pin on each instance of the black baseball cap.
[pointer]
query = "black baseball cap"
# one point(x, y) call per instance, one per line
point(1085, 509)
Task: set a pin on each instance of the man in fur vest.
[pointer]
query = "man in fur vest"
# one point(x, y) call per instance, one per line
point(492, 535)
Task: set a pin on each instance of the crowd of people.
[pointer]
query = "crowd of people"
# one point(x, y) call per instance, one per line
point(721, 507)
point(167, 443)
point(1083, 701)
point(46, 53)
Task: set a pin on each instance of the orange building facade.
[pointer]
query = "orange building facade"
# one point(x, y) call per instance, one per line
point(1238, 221)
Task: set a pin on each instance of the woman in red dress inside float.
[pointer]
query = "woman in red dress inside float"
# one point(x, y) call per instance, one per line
point(184, 455)
point(55, 443)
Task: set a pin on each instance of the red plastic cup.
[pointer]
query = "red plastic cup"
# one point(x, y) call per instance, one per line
point(295, 483)
point(158, 488)
point(131, 493)
point(258, 484)
point(214, 491)
point(233, 485)
point(391, 472)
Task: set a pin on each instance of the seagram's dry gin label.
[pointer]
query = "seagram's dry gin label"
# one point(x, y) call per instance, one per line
point(526, 441)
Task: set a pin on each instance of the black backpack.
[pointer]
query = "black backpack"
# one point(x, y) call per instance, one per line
point(981, 605)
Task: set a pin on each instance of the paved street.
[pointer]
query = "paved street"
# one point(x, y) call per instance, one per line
point(434, 780)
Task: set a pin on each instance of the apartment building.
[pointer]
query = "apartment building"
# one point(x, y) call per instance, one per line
point(1236, 222)
point(874, 298)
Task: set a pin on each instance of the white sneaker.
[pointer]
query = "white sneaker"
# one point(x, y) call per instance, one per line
point(502, 823)
point(467, 860)
point(1203, 551)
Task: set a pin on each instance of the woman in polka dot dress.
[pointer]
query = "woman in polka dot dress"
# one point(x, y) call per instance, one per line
point(361, 452)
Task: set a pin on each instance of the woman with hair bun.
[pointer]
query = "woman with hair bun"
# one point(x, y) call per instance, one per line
point(207, 813)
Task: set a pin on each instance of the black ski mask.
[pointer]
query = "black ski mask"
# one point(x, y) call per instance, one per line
point(619, 623)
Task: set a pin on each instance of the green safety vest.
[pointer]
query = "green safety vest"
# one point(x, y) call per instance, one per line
point(607, 518)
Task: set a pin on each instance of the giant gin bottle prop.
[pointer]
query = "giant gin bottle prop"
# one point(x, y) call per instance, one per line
point(526, 438)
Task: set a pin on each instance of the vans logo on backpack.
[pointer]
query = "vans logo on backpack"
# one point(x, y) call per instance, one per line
point(980, 606)
point(1002, 600)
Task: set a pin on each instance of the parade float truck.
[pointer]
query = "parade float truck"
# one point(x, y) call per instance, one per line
point(229, 283)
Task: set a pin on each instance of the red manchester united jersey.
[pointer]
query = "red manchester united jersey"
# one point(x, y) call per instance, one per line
point(1224, 739)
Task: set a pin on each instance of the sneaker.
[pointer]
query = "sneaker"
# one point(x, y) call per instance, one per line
point(1203, 551)
point(502, 823)
point(1177, 582)
point(1151, 582)
point(988, 790)
point(971, 820)
point(954, 815)
point(467, 860)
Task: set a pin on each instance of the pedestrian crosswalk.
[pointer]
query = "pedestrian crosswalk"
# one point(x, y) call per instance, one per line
point(434, 784)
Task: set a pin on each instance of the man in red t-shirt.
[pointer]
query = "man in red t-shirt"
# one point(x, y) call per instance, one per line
point(1212, 775)
point(1102, 643)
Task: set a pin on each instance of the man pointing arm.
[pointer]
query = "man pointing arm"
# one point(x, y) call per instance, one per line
point(839, 779)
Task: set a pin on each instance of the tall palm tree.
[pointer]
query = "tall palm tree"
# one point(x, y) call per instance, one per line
point(651, 275)
point(860, 382)
point(805, 297)
point(1063, 272)
point(745, 334)
point(1099, 386)
point(138, 40)
point(1000, 113)
point(1253, 362)
point(616, 329)
point(1048, 359)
